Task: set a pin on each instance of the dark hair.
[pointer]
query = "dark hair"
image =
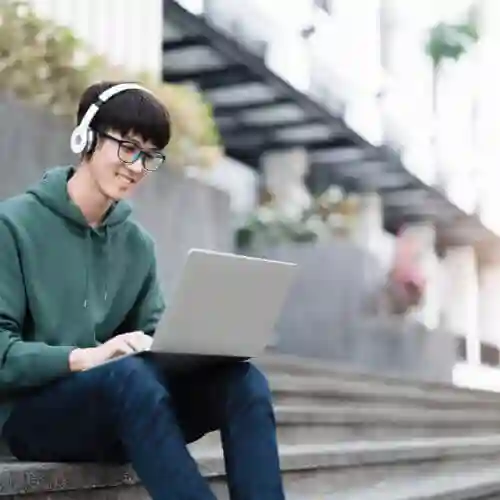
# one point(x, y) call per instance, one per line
point(131, 111)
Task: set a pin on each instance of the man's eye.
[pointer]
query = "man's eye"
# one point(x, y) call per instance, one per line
point(129, 148)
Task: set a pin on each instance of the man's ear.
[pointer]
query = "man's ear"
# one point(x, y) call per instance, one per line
point(87, 156)
point(97, 144)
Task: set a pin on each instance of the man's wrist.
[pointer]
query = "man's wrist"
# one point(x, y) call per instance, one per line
point(78, 360)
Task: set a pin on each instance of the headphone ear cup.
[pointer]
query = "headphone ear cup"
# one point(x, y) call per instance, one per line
point(78, 140)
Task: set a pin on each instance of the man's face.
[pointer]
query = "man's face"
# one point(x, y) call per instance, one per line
point(112, 165)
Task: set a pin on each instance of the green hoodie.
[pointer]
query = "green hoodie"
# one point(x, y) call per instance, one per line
point(64, 284)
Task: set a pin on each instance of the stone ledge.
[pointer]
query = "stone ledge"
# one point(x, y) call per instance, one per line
point(22, 478)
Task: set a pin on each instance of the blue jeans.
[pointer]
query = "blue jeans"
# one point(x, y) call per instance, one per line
point(129, 411)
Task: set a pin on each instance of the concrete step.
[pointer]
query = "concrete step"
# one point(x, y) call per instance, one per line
point(331, 388)
point(351, 422)
point(307, 367)
point(481, 484)
point(315, 471)
point(321, 471)
point(342, 436)
point(345, 422)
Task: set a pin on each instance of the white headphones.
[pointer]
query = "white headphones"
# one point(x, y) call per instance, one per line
point(82, 136)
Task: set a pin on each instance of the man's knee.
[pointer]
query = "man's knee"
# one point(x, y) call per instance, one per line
point(131, 366)
point(249, 383)
point(128, 379)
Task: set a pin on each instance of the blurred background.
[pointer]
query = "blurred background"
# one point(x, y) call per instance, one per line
point(358, 138)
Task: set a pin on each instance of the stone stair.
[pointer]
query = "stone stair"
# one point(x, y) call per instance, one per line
point(342, 435)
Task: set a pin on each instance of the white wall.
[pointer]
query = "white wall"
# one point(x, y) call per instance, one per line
point(236, 179)
point(476, 377)
point(127, 32)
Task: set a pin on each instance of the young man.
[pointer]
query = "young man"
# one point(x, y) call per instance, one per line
point(78, 287)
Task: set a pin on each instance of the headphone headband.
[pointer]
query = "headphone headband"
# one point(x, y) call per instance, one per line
point(80, 135)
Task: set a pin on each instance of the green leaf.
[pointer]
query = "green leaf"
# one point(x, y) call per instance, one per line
point(451, 41)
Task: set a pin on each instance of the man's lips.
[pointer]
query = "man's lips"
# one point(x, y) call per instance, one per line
point(127, 178)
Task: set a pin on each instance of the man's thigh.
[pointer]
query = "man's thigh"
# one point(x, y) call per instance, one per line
point(64, 421)
point(70, 421)
point(200, 397)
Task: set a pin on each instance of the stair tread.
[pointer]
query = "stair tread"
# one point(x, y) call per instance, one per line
point(28, 477)
point(307, 366)
point(354, 413)
point(467, 485)
point(421, 443)
point(324, 386)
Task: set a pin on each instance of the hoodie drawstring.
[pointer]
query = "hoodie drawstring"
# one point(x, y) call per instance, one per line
point(107, 261)
point(88, 256)
point(88, 264)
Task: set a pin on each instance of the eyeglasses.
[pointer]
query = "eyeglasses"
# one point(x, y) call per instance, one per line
point(129, 152)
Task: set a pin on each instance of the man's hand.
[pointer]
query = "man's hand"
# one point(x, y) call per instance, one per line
point(126, 343)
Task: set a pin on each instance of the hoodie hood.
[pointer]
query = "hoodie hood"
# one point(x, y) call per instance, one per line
point(52, 191)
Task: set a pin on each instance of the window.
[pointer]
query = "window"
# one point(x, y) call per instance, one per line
point(461, 348)
point(489, 354)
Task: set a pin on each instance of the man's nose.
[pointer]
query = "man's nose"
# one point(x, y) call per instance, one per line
point(136, 167)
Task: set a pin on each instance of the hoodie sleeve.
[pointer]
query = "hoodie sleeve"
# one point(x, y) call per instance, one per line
point(150, 303)
point(22, 363)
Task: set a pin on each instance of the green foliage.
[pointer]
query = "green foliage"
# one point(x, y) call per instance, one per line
point(46, 64)
point(37, 59)
point(451, 41)
point(331, 214)
point(274, 231)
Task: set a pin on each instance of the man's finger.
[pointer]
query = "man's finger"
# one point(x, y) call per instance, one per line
point(126, 344)
point(137, 344)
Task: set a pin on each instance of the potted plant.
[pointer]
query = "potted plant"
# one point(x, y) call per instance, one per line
point(330, 214)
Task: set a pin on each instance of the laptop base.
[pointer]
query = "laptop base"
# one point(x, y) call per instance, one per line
point(173, 363)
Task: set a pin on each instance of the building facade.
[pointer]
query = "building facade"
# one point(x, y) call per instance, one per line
point(367, 59)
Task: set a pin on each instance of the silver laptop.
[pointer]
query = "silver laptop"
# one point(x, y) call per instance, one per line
point(224, 305)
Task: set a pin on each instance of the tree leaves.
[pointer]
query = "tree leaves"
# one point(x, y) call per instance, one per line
point(451, 41)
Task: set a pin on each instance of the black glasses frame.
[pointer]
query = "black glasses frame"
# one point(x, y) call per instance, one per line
point(147, 157)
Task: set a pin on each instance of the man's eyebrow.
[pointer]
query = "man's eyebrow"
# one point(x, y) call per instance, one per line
point(132, 140)
point(137, 143)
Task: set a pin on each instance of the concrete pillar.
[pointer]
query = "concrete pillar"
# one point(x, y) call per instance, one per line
point(369, 228)
point(489, 304)
point(284, 173)
point(488, 110)
point(389, 36)
point(406, 94)
point(460, 298)
point(97, 22)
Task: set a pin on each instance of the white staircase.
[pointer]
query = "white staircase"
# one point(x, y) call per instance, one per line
point(342, 436)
